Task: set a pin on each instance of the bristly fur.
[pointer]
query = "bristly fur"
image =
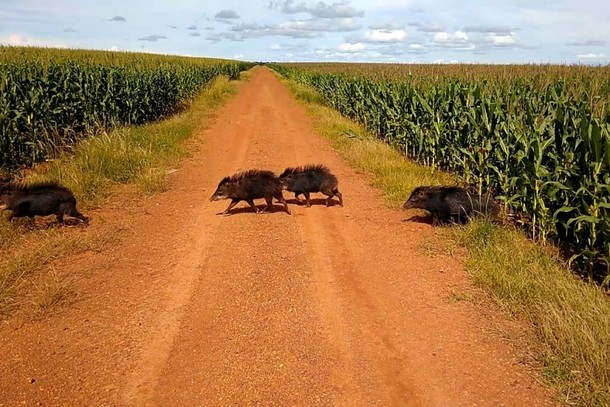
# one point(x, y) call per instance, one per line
point(240, 176)
point(435, 188)
point(36, 186)
point(320, 168)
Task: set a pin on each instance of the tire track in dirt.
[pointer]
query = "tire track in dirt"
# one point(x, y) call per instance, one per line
point(223, 155)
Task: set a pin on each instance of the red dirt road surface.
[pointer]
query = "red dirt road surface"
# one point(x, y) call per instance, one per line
point(327, 307)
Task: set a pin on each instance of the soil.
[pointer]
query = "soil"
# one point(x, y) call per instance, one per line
point(327, 306)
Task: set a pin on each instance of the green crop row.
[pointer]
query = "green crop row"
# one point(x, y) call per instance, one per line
point(542, 144)
point(51, 98)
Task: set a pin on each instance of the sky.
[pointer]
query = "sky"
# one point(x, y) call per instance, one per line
point(407, 31)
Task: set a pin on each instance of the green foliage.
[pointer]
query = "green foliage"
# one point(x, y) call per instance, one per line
point(538, 136)
point(49, 99)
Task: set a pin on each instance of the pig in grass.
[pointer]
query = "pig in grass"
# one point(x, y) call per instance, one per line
point(40, 199)
point(452, 204)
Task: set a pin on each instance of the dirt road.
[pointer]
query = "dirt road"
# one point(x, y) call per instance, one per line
point(330, 306)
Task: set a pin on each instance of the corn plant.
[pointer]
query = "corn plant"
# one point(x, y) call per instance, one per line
point(539, 136)
point(49, 99)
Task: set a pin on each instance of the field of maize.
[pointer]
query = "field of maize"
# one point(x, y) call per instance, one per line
point(51, 98)
point(539, 136)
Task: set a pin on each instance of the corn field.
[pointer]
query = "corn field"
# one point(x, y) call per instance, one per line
point(49, 99)
point(539, 136)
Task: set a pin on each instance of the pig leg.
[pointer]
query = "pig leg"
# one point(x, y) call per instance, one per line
point(280, 198)
point(251, 203)
point(269, 204)
point(231, 205)
point(330, 193)
point(434, 219)
point(338, 195)
point(80, 216)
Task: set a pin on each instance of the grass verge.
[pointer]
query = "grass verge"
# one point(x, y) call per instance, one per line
point(569, 319)
point(139, 156)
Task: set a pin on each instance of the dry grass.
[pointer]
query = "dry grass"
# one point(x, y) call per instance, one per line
point(571, 318)
point(30, 248)
point(53, 290)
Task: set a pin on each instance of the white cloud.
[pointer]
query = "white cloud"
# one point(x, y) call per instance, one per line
point(291, 47)
point(503, 40)
point(113, 48)
point(348, 47)
point(387, 26)
point(385, 35)
point(23, 40)
point(442, 61)
point(341, 9)
point(483, 28)
point(457, 41)
point(329, 25)
point(379, 36)
point(310, 28)
point(490, 32)
point(591, 56)
point(271, 31)
point(428, 27)
point(345, 51)
point(458, 37)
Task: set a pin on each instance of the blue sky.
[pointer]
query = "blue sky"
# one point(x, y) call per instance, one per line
point(511, 31)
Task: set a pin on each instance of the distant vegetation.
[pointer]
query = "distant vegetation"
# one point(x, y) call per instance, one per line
point(49, 98)
point(537, 135)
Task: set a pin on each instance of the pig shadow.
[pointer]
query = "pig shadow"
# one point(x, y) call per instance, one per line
point(419, 219)
point(249, 210)
point(41, 223)
point(313, 201)
point(427, 219)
